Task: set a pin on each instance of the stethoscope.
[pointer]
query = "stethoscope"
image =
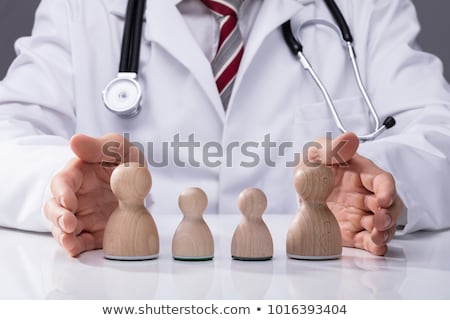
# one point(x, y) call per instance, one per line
point(123, 95)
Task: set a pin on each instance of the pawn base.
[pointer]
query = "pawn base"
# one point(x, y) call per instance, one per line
point(182, 258)
point(131, 258)
point(298, 257)
point(252, 258)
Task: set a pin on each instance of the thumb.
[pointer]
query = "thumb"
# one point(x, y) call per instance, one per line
point(337, 151)
point(111, 149)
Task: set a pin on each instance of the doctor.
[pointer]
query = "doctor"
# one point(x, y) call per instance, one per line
point(56, 131)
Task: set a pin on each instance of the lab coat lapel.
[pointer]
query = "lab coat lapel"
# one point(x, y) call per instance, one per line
point(117, 7)
point(271, 15)
point(167, 28)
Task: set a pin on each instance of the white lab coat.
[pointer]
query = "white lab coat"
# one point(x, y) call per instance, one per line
point(53, 90)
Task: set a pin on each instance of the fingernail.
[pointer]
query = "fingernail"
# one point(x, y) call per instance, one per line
point(391, 202)
point(61, 223)
point(387, 222)
point(62, 201)
point(60, 238)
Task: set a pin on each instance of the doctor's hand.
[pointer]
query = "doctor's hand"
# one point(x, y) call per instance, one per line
point(364, 199)
point(82, 198)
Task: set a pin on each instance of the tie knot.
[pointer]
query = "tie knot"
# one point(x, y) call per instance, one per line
point(223, 8)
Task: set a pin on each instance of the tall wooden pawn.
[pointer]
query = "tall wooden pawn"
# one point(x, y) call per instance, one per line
point(252, 240)
point(131, 232)
point(193, 240)
point(314, 234)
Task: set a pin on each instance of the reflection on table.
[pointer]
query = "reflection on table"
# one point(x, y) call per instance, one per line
point(33, 266)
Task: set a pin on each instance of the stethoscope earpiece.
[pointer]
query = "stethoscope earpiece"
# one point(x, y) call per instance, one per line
point(389, 122)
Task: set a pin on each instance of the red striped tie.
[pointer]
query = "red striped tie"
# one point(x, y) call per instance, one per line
point(230, 48)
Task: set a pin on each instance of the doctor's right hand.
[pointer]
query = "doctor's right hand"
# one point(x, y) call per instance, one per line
point(82, 198)
point(364, 199)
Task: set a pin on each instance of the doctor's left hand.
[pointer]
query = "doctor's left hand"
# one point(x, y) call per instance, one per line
point(364, 199)
point(82, 198)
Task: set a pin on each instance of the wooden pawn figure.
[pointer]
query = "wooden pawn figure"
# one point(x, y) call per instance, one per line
point(252, 240)
point(131, 233)
point(192, 240)
point(314, 234)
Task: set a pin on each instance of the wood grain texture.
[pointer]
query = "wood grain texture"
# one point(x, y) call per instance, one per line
point(193, 239)
point(131, 232)
point(252, 239)
point(314, 233)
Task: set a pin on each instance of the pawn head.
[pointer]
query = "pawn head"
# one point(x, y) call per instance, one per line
point(314, 183)
point(252, 202)
point(193, 202)
point(131, 182)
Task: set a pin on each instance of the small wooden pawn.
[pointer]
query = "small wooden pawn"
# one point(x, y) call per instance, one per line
point(252, 240)
point(192, 240)
point(131, 232)
point(314, 234)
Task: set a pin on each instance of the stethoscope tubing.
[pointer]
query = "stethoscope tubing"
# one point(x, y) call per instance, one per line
point(131, 42)
point(296, 48)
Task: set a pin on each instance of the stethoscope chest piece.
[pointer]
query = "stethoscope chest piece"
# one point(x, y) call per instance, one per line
point(123, 95)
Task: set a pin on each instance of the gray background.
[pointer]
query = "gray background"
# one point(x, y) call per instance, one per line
point(16, 19)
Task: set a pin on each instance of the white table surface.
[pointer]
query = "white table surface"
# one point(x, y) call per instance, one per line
point(33, 266)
